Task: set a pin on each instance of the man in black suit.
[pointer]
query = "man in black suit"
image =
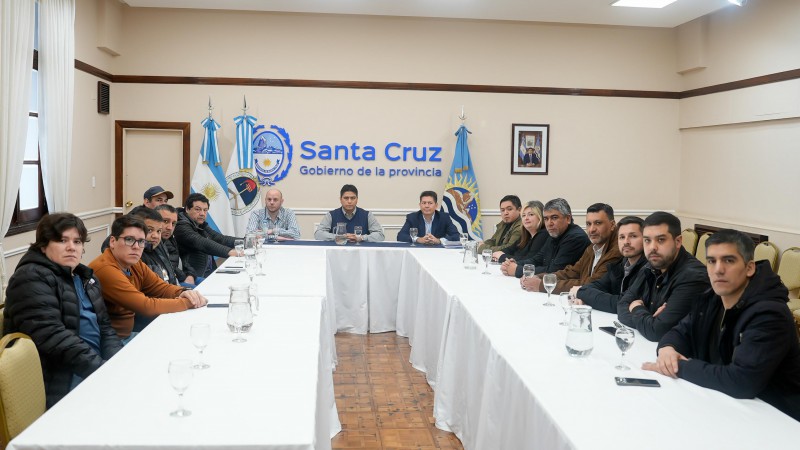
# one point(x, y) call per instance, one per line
point(432, 225)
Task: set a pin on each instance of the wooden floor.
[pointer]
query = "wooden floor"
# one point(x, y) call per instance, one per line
point(383, 402)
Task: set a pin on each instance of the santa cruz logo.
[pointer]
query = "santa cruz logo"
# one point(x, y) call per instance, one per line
point(272, 154)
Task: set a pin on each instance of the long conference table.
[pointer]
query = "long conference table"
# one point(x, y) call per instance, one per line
point(493, 353)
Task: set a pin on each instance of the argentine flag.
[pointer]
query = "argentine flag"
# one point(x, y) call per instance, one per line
point(209, 179)
point(460, 198)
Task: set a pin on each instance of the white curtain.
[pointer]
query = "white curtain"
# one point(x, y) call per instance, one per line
point(56, 94)
point(17, 25)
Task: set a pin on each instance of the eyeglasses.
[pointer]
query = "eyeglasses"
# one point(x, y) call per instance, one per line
point(129, 241)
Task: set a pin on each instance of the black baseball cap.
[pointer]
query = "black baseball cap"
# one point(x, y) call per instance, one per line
point(157, 190)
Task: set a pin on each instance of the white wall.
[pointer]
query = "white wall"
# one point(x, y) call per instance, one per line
point(739, 149)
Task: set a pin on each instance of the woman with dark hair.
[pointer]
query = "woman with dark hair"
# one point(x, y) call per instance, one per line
point(56, 300)
point(530, 243)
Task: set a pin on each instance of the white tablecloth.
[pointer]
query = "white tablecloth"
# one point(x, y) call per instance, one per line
point(273, 392)
point(493, 353)
point(505, 381)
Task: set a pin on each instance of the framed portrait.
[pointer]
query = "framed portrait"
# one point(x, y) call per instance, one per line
point(530, 149)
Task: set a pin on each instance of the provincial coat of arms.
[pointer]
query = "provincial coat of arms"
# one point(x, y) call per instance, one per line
point(272, 154)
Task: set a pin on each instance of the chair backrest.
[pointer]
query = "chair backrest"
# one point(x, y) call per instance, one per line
point(789, 268)
point(767, 251)
point(700, 253)
point(22, 397)
point(689, 240)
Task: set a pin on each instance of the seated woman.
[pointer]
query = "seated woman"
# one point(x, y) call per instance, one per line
point(56, 300)
point(530, 243)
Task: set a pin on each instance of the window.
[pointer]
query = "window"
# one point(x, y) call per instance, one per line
point(31, 204)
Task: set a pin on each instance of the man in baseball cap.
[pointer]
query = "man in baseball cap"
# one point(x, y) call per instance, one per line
point(156, 195)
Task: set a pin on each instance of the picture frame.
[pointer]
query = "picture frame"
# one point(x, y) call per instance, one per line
point(530, 149)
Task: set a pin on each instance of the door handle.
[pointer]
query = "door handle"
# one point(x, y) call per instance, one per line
point(128, 204)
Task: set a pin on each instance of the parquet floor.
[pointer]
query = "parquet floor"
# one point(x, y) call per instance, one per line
point(383, 402)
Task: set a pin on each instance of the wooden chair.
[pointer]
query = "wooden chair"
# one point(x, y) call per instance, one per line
point(789, 271)
point(22, 397)
point(700, 253)
point(767, 251)
point(689, 240)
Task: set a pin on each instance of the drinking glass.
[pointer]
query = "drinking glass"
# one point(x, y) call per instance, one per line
point(528, 270)
point(261, 258)
point(549, 281)
point(180, 375)
point(565, 300)
point(580, 342)
point(250, 244)
point(239, 314)
point(487, 258)
point(463, 238)
point(625, 337)
point(238, 244)
point(200, 333)
point(414, 233)
point(358, 230)
point(251, 266)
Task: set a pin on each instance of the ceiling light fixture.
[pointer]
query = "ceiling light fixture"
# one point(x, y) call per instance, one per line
point(738, 2)
point(644, 3)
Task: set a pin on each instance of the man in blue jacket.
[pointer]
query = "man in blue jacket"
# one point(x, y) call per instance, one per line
point(432, 225)
point(739, 339)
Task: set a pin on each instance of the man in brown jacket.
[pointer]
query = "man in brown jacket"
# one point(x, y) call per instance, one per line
point(592, 265)
point(134, 294)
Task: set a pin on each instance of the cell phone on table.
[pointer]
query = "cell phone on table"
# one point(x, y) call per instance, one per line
point(610, 330)
point(227, 271)
point(643, 382)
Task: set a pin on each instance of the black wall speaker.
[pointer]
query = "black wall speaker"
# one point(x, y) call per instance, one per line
point(103, 98)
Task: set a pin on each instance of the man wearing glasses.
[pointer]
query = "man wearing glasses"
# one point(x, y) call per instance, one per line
point(197, 242)
point(129, 287)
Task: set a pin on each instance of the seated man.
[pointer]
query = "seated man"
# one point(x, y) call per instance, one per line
point(663, 291)
point(509, 230)
point(157, 195)
point(129, 287)
point(56, 300)
point(604, 294)
point(431, 224)
point(154, 255)
point(274, 216)
point(564, 246)
point(352, 216)
point(198, 243)
point(592, 265)
point(739, 339)
point(183, 272)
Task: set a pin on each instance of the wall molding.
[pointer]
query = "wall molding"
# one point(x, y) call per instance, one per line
point(765, 229)
point(86, 215)
point(438, 87)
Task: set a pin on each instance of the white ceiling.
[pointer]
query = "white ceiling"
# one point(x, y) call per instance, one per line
point(565, 11)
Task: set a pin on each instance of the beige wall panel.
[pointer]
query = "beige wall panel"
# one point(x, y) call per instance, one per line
point(87, 27)
point(92, 149)
point(592, 140)
point(761, 38)
point(754, 104)
point(743, 175)
point(269, 45)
